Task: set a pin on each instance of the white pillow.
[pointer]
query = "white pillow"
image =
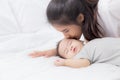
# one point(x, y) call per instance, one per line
point(7, 21)
point(23, 16)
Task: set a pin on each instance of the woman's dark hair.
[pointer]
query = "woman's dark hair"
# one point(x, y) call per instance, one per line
point(65, 12)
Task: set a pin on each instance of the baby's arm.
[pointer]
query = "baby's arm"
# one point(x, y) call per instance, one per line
point(47, 53)
point(75, 63)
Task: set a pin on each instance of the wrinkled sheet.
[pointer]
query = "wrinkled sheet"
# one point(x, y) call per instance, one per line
point(15, 64)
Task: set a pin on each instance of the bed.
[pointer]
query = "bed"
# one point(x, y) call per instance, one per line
point(23, 29)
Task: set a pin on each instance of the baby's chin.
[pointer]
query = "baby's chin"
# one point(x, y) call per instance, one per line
point(69, 57)
point(72, 56)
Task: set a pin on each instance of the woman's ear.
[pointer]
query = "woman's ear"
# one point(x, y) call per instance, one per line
point(80, 18)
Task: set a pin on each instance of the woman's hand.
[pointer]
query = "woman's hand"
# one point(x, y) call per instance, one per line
point(47, 53)
point(59, 62)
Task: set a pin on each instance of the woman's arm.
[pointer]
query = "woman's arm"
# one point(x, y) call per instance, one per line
point(47, 53)
point(75, 63)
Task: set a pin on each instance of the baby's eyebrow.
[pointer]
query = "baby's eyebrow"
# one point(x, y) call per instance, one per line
point(69, 42)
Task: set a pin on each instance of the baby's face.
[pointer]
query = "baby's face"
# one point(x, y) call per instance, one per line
point(68, 48)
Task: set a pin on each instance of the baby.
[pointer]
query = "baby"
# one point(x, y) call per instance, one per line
point(74, 54)
point(67, 49)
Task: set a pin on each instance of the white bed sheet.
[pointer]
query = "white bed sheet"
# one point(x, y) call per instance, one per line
point(25, 68)
point(23, 29)
point(15, 64)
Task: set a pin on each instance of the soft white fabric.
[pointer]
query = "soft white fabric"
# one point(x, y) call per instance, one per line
point(109, 17)
point(23, 29)
point(23, 16)
point(21, 67)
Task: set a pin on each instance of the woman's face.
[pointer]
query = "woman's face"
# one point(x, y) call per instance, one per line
point(69, 31)
point(68, 48)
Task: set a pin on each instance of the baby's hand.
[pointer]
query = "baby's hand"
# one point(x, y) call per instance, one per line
point(37, 54)
point(47, 53)
point(59, 62)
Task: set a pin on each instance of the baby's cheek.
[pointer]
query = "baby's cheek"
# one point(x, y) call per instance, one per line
point(70, 56)
point(74, 55)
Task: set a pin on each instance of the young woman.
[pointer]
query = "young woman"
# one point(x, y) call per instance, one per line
point(92, 18)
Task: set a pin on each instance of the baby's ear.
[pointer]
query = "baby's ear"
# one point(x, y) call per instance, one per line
point(80, 18)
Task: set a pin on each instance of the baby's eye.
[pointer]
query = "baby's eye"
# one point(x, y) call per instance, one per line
point(70, 42)
point(66, 51)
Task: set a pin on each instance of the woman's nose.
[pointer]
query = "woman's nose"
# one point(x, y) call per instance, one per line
point(66, 36)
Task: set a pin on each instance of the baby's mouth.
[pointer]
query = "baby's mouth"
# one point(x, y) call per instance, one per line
point(74, 49)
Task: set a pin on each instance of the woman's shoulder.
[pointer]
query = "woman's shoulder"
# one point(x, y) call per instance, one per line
point(109, 8)
point(109, 18)
point(113, 6)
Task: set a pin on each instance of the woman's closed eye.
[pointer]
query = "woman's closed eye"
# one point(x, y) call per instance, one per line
point(65, 30)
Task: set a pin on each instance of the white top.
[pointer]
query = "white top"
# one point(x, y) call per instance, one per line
point(109, 17)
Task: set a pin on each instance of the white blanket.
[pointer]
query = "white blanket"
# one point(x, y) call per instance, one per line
point(23, 29)
point(20, 66)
